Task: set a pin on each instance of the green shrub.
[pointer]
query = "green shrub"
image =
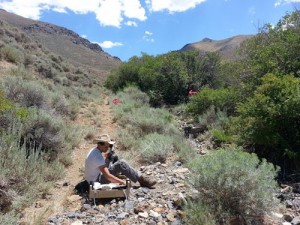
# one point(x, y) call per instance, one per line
point(28, 60)
point(213, 118)
point(66, 67)
point(10, 218)
point(220, 135)
point(73, 135)
point(21, 37)
point(4, 102)
point(148, 130)
point(224, 99)
point(56, 58)
point(44, 133)
point(217, 123)
point(155, 147)
point(45, 70)
point(233, 183)
point(7, 195)
point(185, 152)
point(9, 112)
point(140, 98)
point(147, 120)
point(131, 98)
point(273, 50)
point(135, 110)
point(61, 105)
point(21, 73)
point(270, 120)
point(197, 213)
point(126, 141)
point(11, 54)
point(74, 109)
point(25, 169)
point(27, 94)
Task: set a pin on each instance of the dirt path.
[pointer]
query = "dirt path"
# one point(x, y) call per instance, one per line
point(61, 197)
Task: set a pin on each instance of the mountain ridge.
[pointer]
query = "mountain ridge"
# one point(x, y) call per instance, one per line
point(226, 47)
point(66, 43)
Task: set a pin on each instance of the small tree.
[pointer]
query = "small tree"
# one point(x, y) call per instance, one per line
point(271, 119)
point(274, 50)
point(223, 99)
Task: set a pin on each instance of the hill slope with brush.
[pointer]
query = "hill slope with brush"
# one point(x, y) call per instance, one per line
point(66, 43)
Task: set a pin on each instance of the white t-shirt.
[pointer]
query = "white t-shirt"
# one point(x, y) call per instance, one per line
point(92, 162)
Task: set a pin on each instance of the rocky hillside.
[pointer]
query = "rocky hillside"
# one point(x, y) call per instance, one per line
point(226, 48)
point(64, 42)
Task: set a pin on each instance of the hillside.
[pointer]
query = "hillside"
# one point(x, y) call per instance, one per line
point(65, 43)
point(226, 48)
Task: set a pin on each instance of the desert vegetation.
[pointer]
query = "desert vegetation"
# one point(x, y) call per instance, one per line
point(249, 109)
point(233, 185)
point(40, 96)
point(260, 92)
point(150, 134)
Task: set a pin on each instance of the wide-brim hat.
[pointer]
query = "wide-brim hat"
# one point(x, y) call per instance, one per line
point(103, 138)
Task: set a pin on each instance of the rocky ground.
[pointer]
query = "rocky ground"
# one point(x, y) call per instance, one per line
point(162, 205)
point(158, 206)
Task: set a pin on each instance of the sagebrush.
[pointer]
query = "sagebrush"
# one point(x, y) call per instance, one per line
point(233, 183)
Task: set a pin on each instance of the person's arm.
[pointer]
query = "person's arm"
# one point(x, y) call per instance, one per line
point(109, 176)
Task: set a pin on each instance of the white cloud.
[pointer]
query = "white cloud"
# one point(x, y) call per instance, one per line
point(108, 12)
point(109, 44)
point(280, 2)
point(59, 10)
point(84, 36)
point(148, 32)
point(133, 9)
point(148, 36)
point(172, 5)
point(131, 23)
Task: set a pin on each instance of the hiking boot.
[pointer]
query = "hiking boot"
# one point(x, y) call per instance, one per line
point(146, 182)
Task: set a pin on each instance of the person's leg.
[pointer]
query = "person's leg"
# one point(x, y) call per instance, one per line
point(121, 166)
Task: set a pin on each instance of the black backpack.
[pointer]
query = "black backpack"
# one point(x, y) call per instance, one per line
point(82, 188)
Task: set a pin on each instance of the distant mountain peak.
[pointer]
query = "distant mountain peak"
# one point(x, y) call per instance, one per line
point(207, 40)
point(226, 47)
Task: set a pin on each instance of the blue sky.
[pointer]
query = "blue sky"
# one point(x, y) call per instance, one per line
point(125, 28)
